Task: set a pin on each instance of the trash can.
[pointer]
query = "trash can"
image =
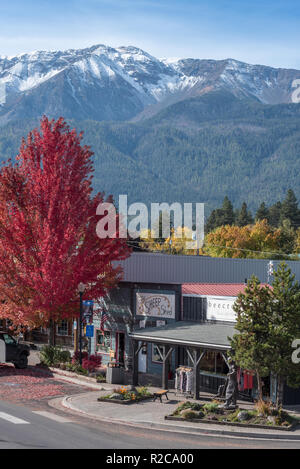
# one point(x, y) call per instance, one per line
point(115, 375)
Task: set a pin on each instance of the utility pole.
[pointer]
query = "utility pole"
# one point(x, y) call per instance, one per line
point(270, 271)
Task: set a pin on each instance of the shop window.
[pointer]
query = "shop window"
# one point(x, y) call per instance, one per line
point(213, 362)
point(103, 341)
point(157, 353)
point(63, 327)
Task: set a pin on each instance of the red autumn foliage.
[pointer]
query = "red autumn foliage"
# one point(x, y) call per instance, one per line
point(48, 240)
point(90, 363)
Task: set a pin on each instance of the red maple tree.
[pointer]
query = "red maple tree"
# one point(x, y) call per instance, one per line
point(48, 240)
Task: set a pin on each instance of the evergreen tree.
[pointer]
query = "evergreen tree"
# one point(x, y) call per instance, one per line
point(244, 218)
point(221, 216)
point(262, 213)
point(268, 321)
point(284, 328)
point(250, 348)
point(274, 214)
point(227, 212)
point(290, 210)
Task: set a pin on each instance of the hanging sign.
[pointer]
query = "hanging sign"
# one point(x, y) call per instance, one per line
point(156, 305)
point(89, 331)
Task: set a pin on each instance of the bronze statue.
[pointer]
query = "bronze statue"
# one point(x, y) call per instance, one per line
point(232, 387)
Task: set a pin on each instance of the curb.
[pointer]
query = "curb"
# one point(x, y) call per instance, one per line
point(65, 402)
point(72, 377)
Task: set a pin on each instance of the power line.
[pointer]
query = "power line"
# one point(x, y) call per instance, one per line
point(274, 253)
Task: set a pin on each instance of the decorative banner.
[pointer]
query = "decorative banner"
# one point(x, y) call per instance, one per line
point(88, 310)
point(220, 309)
point(155, 305)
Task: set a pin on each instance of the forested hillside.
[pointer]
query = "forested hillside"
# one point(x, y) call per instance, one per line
point(196, 150)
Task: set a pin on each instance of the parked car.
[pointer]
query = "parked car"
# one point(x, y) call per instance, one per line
point(13, 351)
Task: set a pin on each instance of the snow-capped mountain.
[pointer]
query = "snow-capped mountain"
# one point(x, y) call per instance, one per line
point(105, 83)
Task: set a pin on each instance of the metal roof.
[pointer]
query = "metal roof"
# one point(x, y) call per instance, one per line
point(201, 335)
point(213, 289)
point(143, 267)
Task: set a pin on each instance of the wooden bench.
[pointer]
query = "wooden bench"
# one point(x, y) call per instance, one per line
point(159, 394)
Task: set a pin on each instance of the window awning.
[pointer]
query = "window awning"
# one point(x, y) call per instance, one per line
point(206, 335)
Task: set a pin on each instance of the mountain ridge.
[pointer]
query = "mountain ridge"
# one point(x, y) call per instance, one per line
point(126, 83)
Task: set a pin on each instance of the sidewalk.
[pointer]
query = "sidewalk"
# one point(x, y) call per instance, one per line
point(151, 414)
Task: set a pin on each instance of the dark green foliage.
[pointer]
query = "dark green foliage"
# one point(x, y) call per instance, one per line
point(262, 213)
point(289, 210)
point(275, 214)
point(221, 216)
point(244, 217)
point(197, 150)
point(268, 321)
point(53, 356)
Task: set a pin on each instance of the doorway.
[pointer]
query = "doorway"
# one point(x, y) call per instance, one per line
point(120, 348)
point(143, 359)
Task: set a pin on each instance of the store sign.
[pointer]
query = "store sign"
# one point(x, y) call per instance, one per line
point(220, 309)
point(155, 305)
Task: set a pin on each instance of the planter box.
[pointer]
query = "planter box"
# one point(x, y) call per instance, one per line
point(235, 424)
point(115, 375)
point(125, 402)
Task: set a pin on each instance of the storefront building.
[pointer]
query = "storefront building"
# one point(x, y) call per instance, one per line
point(128, 307)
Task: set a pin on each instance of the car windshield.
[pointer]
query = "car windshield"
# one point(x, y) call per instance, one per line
point(8, 339)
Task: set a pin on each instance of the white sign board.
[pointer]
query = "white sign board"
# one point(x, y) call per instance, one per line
point(157, 305)
point(2, 351)
point(220, 309)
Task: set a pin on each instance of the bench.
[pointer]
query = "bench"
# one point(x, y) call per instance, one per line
point(159, 394)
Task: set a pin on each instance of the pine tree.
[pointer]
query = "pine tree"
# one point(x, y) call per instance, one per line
point(274, 214)
point(290, 210)
point(284, 328)
point(251, 349)
point(262, 213)
point(221, 216)
point(244, 218)
point(268, 321)
point(214, 221)
point(227, 212)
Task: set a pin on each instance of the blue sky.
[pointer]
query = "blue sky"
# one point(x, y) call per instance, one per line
point(256, 31)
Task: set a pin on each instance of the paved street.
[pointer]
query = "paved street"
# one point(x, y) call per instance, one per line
point(28, 421)
point(22, 427)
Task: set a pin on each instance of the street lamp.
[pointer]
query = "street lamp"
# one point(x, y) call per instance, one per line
point(81, 288)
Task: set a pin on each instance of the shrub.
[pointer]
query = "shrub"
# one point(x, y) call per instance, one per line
point(91, 363)
point(75, 358)
point(76, 368)
point(212, 407)
point(263, 408)
point(188, 405)
point(189, 414)
point(53, 356)
point(101, 379)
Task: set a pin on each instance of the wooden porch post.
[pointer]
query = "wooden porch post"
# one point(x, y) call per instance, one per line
point(165, 381)
point(196, 356)
point(135, 363)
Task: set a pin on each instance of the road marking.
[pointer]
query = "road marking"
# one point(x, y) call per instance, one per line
point(12, 419)
point(51, 416)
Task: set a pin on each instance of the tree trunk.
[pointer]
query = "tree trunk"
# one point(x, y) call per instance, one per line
point(259, 386)
point(279, 397)
point(52, 333)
